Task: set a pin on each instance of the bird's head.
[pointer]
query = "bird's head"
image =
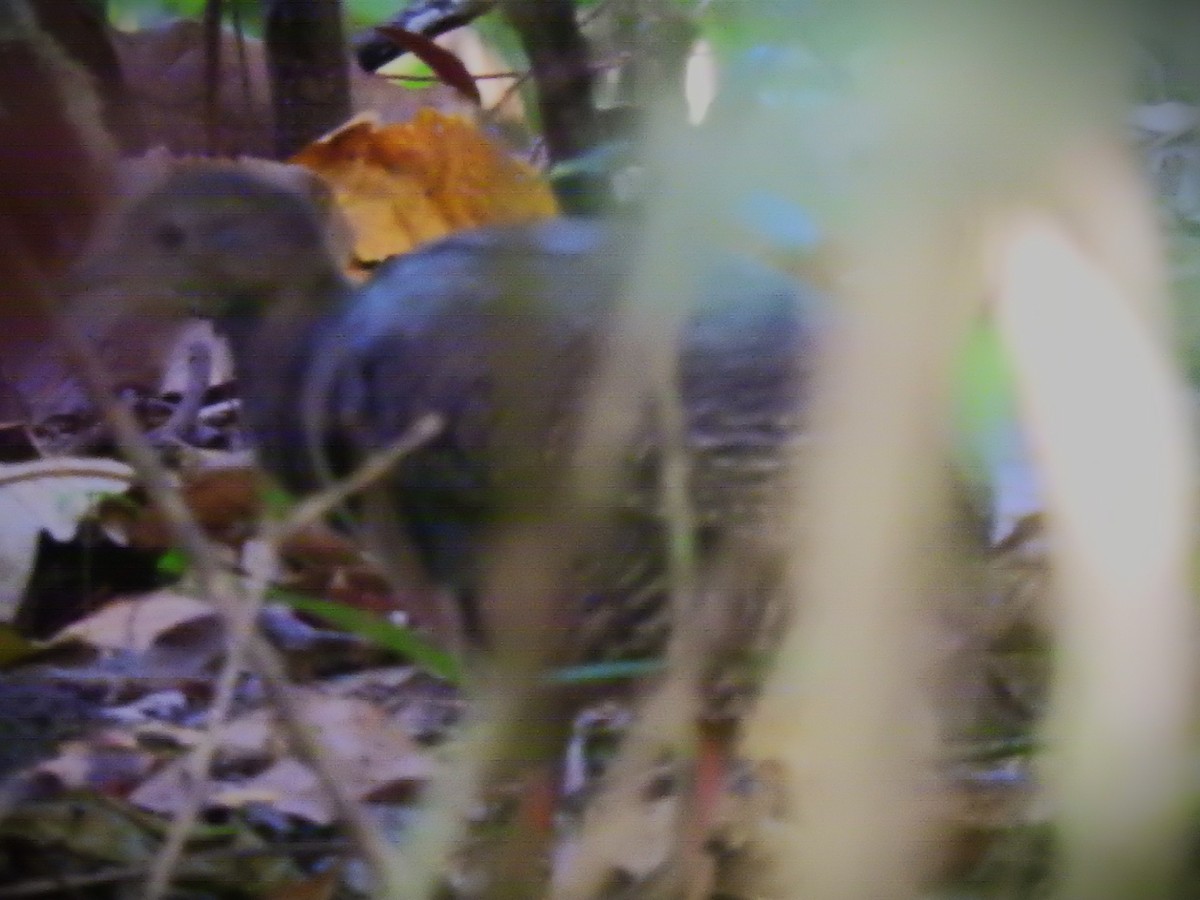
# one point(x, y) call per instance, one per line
point(217, 243)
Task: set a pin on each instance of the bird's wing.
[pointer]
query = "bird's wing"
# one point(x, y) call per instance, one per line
point(420, 338)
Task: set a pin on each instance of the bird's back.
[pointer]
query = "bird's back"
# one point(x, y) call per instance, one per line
point(420, 337)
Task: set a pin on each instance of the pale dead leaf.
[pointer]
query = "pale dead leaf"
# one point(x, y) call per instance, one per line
point(167, 791)
point(48, 495)
point(168, 734)
point(250, 736)
point(135, 624)
point(97, 761)
point(288, 786)
point(372, 753)
point(635, 838)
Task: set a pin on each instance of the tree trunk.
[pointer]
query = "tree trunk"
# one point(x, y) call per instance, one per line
point(307, 61)
point(558, 56)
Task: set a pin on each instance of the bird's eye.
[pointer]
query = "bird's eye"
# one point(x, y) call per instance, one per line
point(169, 236)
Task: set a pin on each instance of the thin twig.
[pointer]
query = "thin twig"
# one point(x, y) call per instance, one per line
point(489, 115)
point(250, 601)
point(377, 466)
point(384, 858)
point(658, 300)
point(434, 79)
point(200, 760)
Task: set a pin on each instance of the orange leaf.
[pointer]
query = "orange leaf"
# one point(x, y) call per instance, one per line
point(404, 185)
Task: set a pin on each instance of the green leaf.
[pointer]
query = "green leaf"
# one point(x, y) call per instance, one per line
point(985, 397)
point(599, 673)
point(172, 564)
point(277, 501)
point(397, 638)
point(371, 12)
point(14, 646)
point(985, 404)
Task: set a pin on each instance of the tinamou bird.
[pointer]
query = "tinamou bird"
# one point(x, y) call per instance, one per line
point(415, 339)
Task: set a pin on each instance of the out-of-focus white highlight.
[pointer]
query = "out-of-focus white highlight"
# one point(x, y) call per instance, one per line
point(1108, 428)
point(700, 81)
point(1108, 419)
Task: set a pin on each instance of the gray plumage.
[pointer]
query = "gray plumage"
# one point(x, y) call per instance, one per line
point(415, 339)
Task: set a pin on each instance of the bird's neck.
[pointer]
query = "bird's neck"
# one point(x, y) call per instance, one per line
point(278, 312)
point(272, 354)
